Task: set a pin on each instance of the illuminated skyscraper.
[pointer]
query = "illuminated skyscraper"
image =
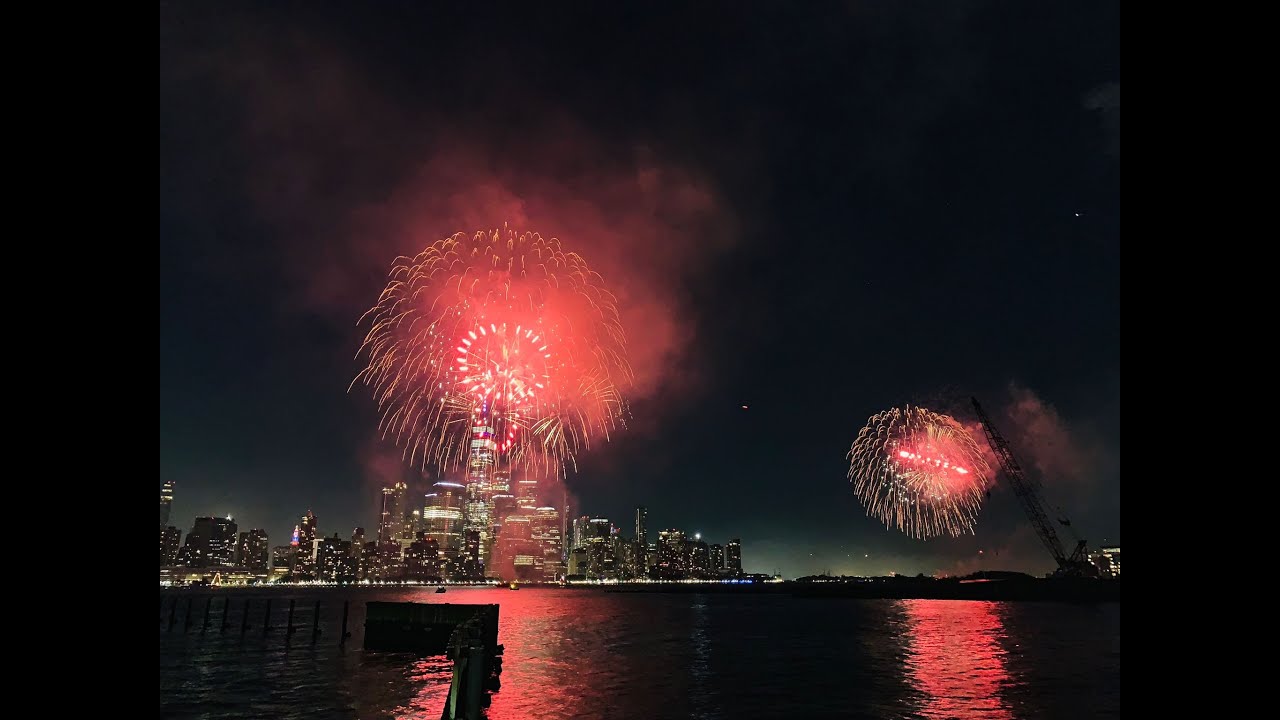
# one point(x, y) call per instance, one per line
point(253, 552)
point(281, 561)
point(222, 541)
point(671, 554)
point(422, 559)
point(699, 558)
point(580, 527)
point(402, 515)
point(386, 523)
point(442, 516)
point(166, 501)
point(357, 553)
point(642, 515)
point(546, 534)
point(304, 561)
point(170, 543)
point(601, 551)
point(526, 494)
point(1107, 560)
point(733, 557)
point(717, 559)
point(333, 560)
point(480, 470)
point(211, 542)
point(470, 567)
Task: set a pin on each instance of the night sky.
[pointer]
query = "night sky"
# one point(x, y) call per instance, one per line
point(818, 210)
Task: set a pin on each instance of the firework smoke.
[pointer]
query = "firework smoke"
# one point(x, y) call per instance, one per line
point(919, 471)
point(503, 330)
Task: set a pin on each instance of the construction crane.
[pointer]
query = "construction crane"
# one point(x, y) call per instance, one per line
point(1076, 564)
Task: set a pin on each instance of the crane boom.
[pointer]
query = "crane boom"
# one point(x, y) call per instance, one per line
point(1029, 495)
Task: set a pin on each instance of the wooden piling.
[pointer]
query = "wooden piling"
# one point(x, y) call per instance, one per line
point(315, 623)
point(173, 610)
point(346, 607)
point(226, 608)
point(186, 623)
point(266, 618)
point(244, 620)
point(204, 626)
point(291, 603)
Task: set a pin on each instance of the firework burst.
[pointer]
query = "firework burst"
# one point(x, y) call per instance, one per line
point(498, 330)
point(919, 471)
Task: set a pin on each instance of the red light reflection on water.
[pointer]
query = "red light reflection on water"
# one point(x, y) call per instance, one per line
point(542, 675)
point(955, 659)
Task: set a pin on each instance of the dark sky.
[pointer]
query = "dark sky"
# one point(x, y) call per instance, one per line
point(819, 211)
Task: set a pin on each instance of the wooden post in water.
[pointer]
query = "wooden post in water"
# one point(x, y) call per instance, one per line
point(204, 626)
point(266, 618)
point(244, 621)
point(315, 623)
point(475, 677)
point(186, 623)
point(226, 608)
point(173, 610)
point(346, 607)
point(290, 633)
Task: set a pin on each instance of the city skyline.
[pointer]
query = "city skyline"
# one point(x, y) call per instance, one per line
point(192, 548)
point(794, 246)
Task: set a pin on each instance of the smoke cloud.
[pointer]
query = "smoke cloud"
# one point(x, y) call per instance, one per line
point(347, 176)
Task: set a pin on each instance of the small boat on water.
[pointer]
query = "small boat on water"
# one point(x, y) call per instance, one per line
point(513, 585)
point(439, 589)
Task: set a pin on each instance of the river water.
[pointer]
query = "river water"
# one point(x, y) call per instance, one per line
point(575, 653)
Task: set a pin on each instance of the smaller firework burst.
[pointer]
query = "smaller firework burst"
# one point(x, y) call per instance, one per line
point(920, 472)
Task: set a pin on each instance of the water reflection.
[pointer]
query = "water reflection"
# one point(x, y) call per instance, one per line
point(955, 659)
point(620, 656)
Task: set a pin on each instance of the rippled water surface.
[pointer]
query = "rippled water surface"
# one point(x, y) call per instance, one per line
point(592, 654)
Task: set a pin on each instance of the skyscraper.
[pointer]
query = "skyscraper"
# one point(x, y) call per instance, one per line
point(253, 551)
point(403, 516)
point(671, 554)
point(170, 543)
point(281, 561)
point(733, 557)
point(422, 559)
point(699, 558)
point(222, 541)
point(515, 554)
point(386, 526)
point(211, 542)
point(480, 475)
point(642, 514)
point(166, 501)
point(333, 560)
point(580, 526)
point(442, 516)
point(717, 559)
point(526, 494)
point(304, 561)
point(546, 534)
point(471, 567)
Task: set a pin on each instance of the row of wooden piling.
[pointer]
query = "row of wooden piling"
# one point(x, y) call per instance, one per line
point(244, 617)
